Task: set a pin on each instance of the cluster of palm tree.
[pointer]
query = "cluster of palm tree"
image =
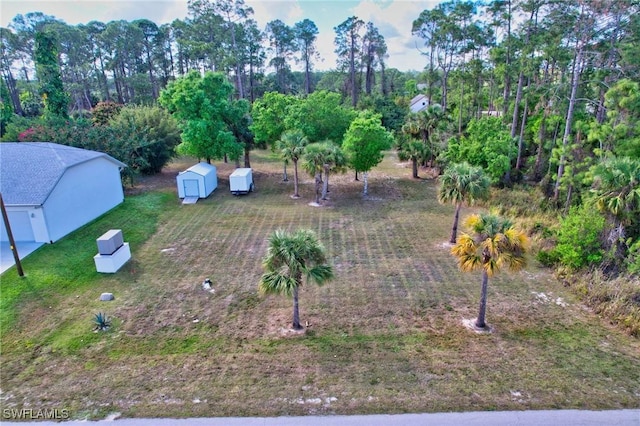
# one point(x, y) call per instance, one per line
point(419, 130)
point(319, 159)
point(492, 242)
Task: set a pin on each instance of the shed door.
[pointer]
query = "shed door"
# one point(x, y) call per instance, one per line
point(191, 188)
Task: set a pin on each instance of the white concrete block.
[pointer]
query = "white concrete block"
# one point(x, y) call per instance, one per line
point(112, 262)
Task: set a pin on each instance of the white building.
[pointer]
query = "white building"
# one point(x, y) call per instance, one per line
point(418, 103)
point(199, 181)
point(50, 190)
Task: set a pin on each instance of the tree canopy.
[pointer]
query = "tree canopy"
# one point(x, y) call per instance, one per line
point(201, 105)
point(365, 142)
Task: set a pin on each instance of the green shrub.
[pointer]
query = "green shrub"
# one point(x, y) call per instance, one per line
point(144, 138)
point(633, 259)
point(579, 238)
point(488, 144)
point(548, 257)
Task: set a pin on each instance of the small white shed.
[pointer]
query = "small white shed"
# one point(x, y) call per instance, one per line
point(198, 181)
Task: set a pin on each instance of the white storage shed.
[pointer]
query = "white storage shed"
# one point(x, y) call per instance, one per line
point(198, 181)
point(50, 190)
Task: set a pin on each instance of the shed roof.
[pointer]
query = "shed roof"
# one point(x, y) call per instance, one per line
point(29, 171)
point(202, 168)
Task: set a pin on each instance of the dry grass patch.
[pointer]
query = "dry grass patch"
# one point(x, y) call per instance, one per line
point(385, 337)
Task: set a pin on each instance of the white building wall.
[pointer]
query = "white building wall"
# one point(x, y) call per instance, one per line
point(190, 175)
point(85, 192)
point(27, 224)
point(210, 182)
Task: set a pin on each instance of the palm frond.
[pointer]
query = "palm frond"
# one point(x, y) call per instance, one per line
point(290, 256)
point(469, 262)
point(276, 283)
point(320, 274)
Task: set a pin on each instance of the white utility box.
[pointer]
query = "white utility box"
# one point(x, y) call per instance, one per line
point(113, 252)
point(110, 263)
point(110, 241)
point(241, 181)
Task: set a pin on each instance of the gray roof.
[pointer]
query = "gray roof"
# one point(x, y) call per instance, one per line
point(29, 171)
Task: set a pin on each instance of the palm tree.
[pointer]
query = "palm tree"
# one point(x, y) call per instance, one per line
point(493, 243)
point(314, 158)
point(291, 146)
point(616, 186)
point(416, 152)
point(290, 256)
point(423, 124)
point(460, 184)
point(335, 161)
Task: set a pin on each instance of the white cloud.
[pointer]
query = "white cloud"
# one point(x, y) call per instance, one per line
point(394, 20)
point(326, 49)
point(83, 11)
point(288, 12)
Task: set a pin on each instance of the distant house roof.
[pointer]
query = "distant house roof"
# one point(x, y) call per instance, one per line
point(29, 171)
point(418, 103)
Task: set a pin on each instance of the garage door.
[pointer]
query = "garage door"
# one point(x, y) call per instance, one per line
point(20, 227)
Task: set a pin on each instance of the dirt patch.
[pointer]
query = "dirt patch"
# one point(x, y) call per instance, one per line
point(166, 179)
point(471, 325)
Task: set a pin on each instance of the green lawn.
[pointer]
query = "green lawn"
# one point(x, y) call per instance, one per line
point(385, 336)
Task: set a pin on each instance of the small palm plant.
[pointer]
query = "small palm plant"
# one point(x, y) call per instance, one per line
point(461, 184)
point(415, 151)
point(290, 256)
point(291, 146)
point(492, 244)
point(101, 321)
point(314, 159)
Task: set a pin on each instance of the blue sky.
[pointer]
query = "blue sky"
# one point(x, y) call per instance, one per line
point(392, 17)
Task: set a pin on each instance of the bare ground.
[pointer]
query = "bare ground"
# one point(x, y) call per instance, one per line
point(386, 336)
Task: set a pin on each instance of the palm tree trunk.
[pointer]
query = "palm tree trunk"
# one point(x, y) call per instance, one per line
point(295, 179)
point(296, 313)
point(414, 165)
point(454, 229)
point(480, 323)
point(325, 184)
point(318, 186)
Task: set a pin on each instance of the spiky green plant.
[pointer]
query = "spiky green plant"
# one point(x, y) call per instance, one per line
point(102, 322)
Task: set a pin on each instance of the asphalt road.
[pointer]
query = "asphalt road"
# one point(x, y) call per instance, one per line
point(485, 418)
